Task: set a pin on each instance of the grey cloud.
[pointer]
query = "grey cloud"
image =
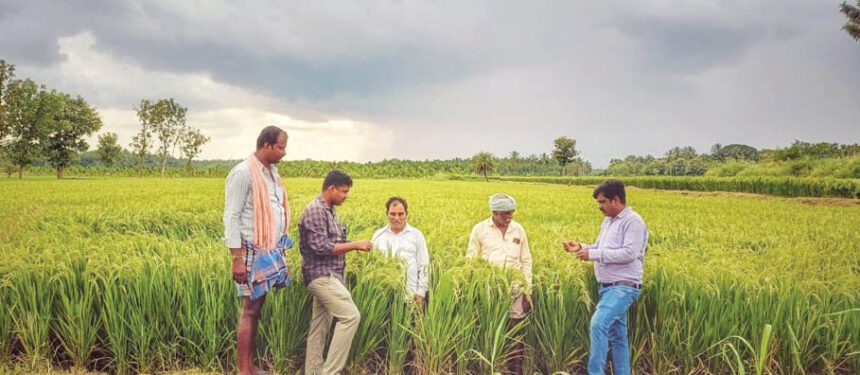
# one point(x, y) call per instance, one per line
point(675, 46)
point(456, 75)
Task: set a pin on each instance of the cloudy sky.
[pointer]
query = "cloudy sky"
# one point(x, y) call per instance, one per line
point(368, 80)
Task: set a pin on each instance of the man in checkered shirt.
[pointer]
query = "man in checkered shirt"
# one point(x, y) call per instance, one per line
point(322, 242)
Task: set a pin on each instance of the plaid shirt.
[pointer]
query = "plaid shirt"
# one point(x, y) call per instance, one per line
point(319, 231)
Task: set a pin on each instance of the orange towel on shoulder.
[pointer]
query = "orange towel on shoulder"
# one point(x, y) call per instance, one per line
point(264, 216)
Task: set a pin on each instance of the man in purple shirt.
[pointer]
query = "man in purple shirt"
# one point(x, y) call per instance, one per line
point(618, 256)
point(322, 242)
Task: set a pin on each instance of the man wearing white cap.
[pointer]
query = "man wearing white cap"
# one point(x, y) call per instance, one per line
point(502, 241)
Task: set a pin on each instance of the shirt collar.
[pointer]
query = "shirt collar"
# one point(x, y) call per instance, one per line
point(490, 223)
point(626, 211)
point(260, 163)
point(323, 203)
point(407, 228)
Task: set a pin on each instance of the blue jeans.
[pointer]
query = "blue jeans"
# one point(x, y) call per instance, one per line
point(609, 328)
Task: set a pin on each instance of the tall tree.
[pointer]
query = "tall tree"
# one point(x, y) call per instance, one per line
point(715, 150)
point(564, 152)
point(142, 142)
point(168, 126)
point(109, 150)
point(852, 24)
point(72, 121)
point(7, 73)
point(484, 163)
point(192, 144)
point(27, 108)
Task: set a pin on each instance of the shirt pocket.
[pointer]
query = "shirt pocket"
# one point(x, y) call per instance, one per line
point(335, 231)
point(615, 239)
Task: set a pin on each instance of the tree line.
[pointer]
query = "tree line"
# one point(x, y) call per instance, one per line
point(799, 159)
point(39, 126)
point(37, 123)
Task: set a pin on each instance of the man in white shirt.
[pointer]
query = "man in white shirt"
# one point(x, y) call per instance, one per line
point(503, 242)
point(400, 239)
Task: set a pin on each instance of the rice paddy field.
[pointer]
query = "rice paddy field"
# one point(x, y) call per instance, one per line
point(129, 275)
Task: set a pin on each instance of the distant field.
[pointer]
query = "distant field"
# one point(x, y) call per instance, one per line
point(129, 275)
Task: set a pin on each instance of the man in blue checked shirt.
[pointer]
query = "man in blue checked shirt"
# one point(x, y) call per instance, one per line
point(618, 256)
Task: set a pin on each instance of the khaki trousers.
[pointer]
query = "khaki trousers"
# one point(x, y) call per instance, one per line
point(331, 299)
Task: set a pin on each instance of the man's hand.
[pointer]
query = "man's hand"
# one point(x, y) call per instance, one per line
point(419, 300)
point(571, 246)
point(582, 254)
point(238, 269)
point(364, 246)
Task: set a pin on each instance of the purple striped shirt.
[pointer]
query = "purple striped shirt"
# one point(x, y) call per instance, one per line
point(319, 231)
point(619, 253)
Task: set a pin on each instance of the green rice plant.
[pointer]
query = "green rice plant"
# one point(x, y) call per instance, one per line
point(374, 291)
point(8, 303)
point(284, 325)
point(734, 354)
point(442, 327)
point(150, 314)
point(31, 320)
point(560, 322)
point(205, 311)
point(400, 341)
point(492, 339)
point(77, 323)
point(115, 312)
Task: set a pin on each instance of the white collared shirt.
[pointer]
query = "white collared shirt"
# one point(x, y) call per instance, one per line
point(409, 245)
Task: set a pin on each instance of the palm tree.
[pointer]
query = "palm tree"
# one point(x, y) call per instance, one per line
point(852, 25)
point(484, 162)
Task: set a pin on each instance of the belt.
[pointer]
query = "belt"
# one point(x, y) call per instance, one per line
point(626, 283)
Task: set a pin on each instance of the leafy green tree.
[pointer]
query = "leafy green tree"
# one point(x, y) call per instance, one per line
point(142, 142)
point(735, 152)
point(67, 129)
point(27, 109)
point(578, 167)
point(109, 150)
point(166, 120)
point(852, 24)
point(564, 152)
point(7, 73)
point(484, 163)
point(192, 144)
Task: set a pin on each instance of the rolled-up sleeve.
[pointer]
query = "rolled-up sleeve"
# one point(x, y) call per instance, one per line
point(315, 230)
point(236, 190)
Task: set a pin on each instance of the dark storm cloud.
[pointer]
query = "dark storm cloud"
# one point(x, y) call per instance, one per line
point(673, 46)
point(500, 76)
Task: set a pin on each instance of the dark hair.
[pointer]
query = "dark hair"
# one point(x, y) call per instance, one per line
point(269, 135)
point(611, 189)
point(394, 200)
point(336, 178)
